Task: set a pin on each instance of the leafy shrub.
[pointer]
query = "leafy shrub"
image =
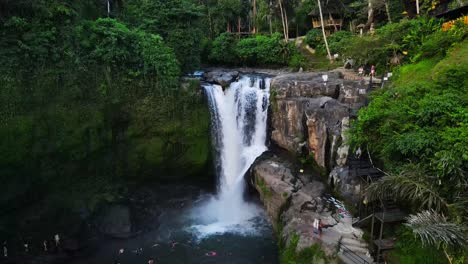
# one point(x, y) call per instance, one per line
point(312, 254)
point(246, 50)
point(271, 50)
point(366, 50)
point(223, 49)
point(338, 40)
point(408, 249)
point(297, 61)
point(263, 50)
point(206, 45)
point(314, 38)
point(252, 51)
point(404, 37)
point(438, 43)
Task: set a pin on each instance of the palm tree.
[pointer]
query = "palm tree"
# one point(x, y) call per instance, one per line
point(434, 229)
point(323, 31)
point(424, 192)
point(409, 186)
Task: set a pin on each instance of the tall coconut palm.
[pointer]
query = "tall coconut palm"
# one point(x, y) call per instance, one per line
point(323, 32)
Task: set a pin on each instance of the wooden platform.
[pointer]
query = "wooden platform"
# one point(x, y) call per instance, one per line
point(385, 244)
point(389, 216)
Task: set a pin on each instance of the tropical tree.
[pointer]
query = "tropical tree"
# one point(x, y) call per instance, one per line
point(434, 229)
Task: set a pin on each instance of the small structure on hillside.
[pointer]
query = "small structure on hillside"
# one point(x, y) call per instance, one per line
point(450, 9)
point(332, 20)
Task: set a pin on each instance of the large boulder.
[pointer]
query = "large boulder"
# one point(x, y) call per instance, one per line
point(221, 77)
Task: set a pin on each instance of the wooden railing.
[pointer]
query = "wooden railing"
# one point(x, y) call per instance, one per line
point(328, 23)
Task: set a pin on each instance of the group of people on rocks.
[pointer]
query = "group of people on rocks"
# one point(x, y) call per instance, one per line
point(361, 71)
point(46, 246)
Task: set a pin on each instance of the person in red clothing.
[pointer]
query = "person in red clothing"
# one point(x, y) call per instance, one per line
point(372, 71)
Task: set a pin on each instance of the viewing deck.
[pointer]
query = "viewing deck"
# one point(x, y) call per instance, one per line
point(328, 23)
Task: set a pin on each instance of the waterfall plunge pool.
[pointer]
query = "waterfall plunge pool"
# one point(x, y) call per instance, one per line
point(213, 228)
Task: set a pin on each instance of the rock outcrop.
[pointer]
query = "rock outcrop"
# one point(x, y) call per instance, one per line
point(311, 112)
point(294, 200)
point(221, 77)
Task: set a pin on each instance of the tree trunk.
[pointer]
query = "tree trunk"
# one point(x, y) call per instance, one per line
point(210, 22)
point(282, 20)
point(370, 13)
point(417, 7)
point(323, 32)
point(271, 26)
point(387, 9)
point(254, 17)
point(287, 23)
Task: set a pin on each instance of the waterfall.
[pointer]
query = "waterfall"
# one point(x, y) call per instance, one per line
point(239, 120)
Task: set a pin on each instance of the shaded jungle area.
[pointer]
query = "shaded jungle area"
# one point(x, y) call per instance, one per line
point(92, 103)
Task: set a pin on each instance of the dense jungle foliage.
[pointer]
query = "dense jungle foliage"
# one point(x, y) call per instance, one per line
point(89, 102)
point(416, 129)
point(92, 98)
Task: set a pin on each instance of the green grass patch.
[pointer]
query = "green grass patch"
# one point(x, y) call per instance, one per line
point(414, 73)
point(274, 100)
point(312, 254)
point(266, 192)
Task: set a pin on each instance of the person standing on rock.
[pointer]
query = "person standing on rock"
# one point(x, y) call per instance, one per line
point(5, 249)
point(26, 247)
point(44, 245)
point(320, 226)
point(315, 226)
point(57, 240)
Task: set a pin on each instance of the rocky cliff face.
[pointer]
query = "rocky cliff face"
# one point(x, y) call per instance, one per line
point(310, 114)
point(294, 199)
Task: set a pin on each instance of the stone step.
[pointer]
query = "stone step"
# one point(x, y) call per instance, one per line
point(348, 258)
point(353, 242)
point(355, 249)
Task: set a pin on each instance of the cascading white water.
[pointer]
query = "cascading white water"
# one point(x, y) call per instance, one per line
point(239, 120)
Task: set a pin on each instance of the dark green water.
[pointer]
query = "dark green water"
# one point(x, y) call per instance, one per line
point(177, 239)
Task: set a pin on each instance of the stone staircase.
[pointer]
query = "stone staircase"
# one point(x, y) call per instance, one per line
point(354, 251)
